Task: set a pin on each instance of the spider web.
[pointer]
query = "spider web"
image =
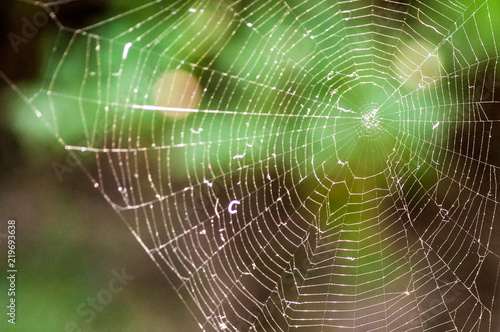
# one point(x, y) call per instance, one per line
point(323, 165)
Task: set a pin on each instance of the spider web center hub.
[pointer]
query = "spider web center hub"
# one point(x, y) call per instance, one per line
point(364, 128)
point(370, 123)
